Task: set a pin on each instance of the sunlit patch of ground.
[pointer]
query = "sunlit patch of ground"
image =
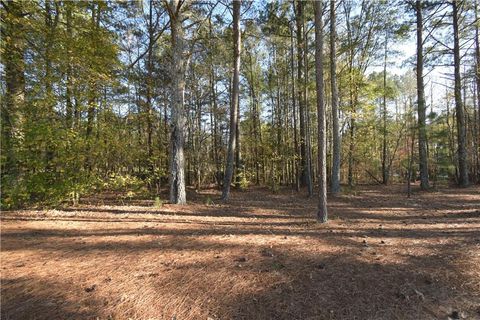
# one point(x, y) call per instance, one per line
point(262, 256)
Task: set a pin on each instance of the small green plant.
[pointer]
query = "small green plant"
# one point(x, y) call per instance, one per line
point(277, 266)
point(75, 198)
point(122, 182)
point(275, 188)
point(158, 203)
point(242, 177)
point(351, 191)
point(209, 201)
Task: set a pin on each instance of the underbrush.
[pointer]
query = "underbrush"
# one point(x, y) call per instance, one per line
point(51, 189)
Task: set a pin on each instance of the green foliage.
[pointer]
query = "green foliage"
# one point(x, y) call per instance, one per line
point(351, 191)
point(75, 198)
point(242, 178)
point(44, 188)
point(94, 115)
point(209, 201)
point(158, 203)
point(117, 182)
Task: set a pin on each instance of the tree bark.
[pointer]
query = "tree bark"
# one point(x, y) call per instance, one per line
point(299, 17)
point(322, 214)
point(477, 80)
point(51, 21)
point(385, 168)
point(177, 139)
point(461, 131)
point(308, 133)
point(13, 103)
point(234, 101)
point(335, 182)
point(69, 71)
point(92, 92)
point(238, 154)
point(255, 126)
point(421, 108)
point(296, 164)
point(214, 126)
point(149, 87)
point(351, 150)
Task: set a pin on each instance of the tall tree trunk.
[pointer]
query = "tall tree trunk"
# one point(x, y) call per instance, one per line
point(335, 182)
point(149, 87)
point(410, 164)
point(91, 94)
point(385, 168)
point(477, 79)
point(294, 111)
point(47, 80)
point(51, 21)
point(461, 131)
point(177, 137)
point(322, 215)
point(13, 103)
point(308, 133)
point(351, 150)
point(198, 144)
point(299, 19)
point(69, 71)
point(421, 108)
point(255, 114)
point(214, 126)
point(352, 99)
point(234, 101)
point(238, 155)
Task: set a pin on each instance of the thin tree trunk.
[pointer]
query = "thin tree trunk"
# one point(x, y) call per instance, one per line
point(461, 132)
point(13, 103)
point(353, 99)
point(477, 79)
point(149, 87)
point(351, 150)
point(69, 86)
point(234, 101)
point(385, 171)
point(422, 131)
point(410, 165)
point(198, 143)
point(238, 154)
point(334, 89)
point(322, 215)
point(308, 133)
point(296, 164)
point(300, 91)
point(255, 114)
point(51, 21)
point(91, 97)
point(214, 127)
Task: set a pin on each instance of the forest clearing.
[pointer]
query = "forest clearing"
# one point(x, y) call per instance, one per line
point(262, 256)
point(239, 159)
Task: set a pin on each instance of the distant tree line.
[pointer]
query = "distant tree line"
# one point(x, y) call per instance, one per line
point(141, 95)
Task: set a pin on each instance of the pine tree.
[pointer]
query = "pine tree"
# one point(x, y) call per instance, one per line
point(235, 100)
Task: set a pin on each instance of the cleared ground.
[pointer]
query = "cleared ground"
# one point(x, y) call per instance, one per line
point(262, 256)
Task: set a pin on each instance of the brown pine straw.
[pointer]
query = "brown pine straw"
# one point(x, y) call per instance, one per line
point(262, 256)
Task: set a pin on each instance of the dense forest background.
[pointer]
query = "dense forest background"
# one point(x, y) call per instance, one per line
point(90, 90)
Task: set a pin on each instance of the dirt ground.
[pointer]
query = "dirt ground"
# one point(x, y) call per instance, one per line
point(262, 256)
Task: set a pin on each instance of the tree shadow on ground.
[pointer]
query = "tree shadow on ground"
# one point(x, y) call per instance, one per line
point(285, 283)
point(342, 287)
point(37, 298)
point(363, 265)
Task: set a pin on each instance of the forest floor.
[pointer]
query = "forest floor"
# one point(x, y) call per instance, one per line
point(262, 256)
